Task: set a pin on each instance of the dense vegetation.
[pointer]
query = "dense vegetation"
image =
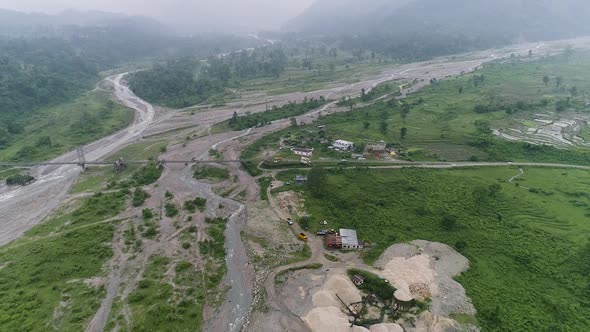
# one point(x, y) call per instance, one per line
point(210, 173)
point(37, 76)
point(263, 118)
point(43, 279)
point(158, 305)
point(187, 81)
point(516, 281)
point(19, 179)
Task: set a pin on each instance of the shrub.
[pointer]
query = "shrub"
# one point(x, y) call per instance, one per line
point(147, 214)
point(171, 210)
point(197, 203)
point(139, 197)
point(19, 180)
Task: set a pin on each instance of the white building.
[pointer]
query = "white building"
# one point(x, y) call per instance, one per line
point(303, 152)
point(343, 145)
point(350, 239)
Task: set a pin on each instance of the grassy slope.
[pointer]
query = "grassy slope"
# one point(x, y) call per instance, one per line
point(59, 122)
point(42, 279)
point(525, 274)
point(157, 306)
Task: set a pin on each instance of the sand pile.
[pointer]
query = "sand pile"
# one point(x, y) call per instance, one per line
point(405, 272)
point(327, 314)
point(386, 328)
point(337, 284)
point(330, 319)
point(426, 269)
point(435, 323)
point(420, 291)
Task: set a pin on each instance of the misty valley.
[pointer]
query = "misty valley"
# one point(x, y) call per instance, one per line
point(308, 165)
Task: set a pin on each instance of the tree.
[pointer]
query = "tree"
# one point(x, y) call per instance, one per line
point(574, 91)
point(366, 125)
point(448, 222)
point(293, 122)
point(234, 119)
point(317, 181)
point(561, 105)
point(546, 80)
point(558, 81)
point(405, 111)
point(460, 90)
point(403, 132)
point(384, 127)
point(3, 136)
point(43, 142)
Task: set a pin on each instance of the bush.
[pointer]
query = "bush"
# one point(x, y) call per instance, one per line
point(146, 175)
point(373, 284)
point(211, 173)
point(197, 203)
point(19, 180)
point(448, 222)
point(139, 197)
point(171, 210)
point(305, 222)
point(147, 214)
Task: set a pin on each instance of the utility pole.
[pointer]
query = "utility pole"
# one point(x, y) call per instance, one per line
point(81, 157)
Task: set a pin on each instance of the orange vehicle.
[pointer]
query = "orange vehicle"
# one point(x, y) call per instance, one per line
point(303, 236)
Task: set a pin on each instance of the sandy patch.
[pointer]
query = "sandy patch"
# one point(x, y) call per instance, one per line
point(386, 328)
point(330, 319)
point(405, 272)
point(423, 267)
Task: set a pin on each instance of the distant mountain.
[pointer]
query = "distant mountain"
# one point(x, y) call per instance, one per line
point(501, 19)
point(16, 24)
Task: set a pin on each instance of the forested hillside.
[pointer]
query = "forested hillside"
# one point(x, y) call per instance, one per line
point(190, 81)
point(40, 73)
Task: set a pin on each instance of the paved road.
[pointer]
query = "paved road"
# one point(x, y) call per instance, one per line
point(442, 165)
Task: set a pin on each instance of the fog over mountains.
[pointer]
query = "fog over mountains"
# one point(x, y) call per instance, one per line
point(499, 19)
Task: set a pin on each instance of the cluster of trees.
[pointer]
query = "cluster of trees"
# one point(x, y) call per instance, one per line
point(292, 109)
point(270, 61)
point(177, 83)
point(188, 81)
point(19, 180)
point(376, 92)
point(38, 73)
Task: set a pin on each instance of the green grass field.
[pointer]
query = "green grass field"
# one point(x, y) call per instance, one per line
point(157, 305)
point(55, 130)
point(529, 249)
point(43, 275)
point(440, 121)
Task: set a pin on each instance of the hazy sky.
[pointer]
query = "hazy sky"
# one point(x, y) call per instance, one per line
point(203, 14)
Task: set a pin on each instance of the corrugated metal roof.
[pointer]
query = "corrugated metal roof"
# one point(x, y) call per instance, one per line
point(349, 237)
